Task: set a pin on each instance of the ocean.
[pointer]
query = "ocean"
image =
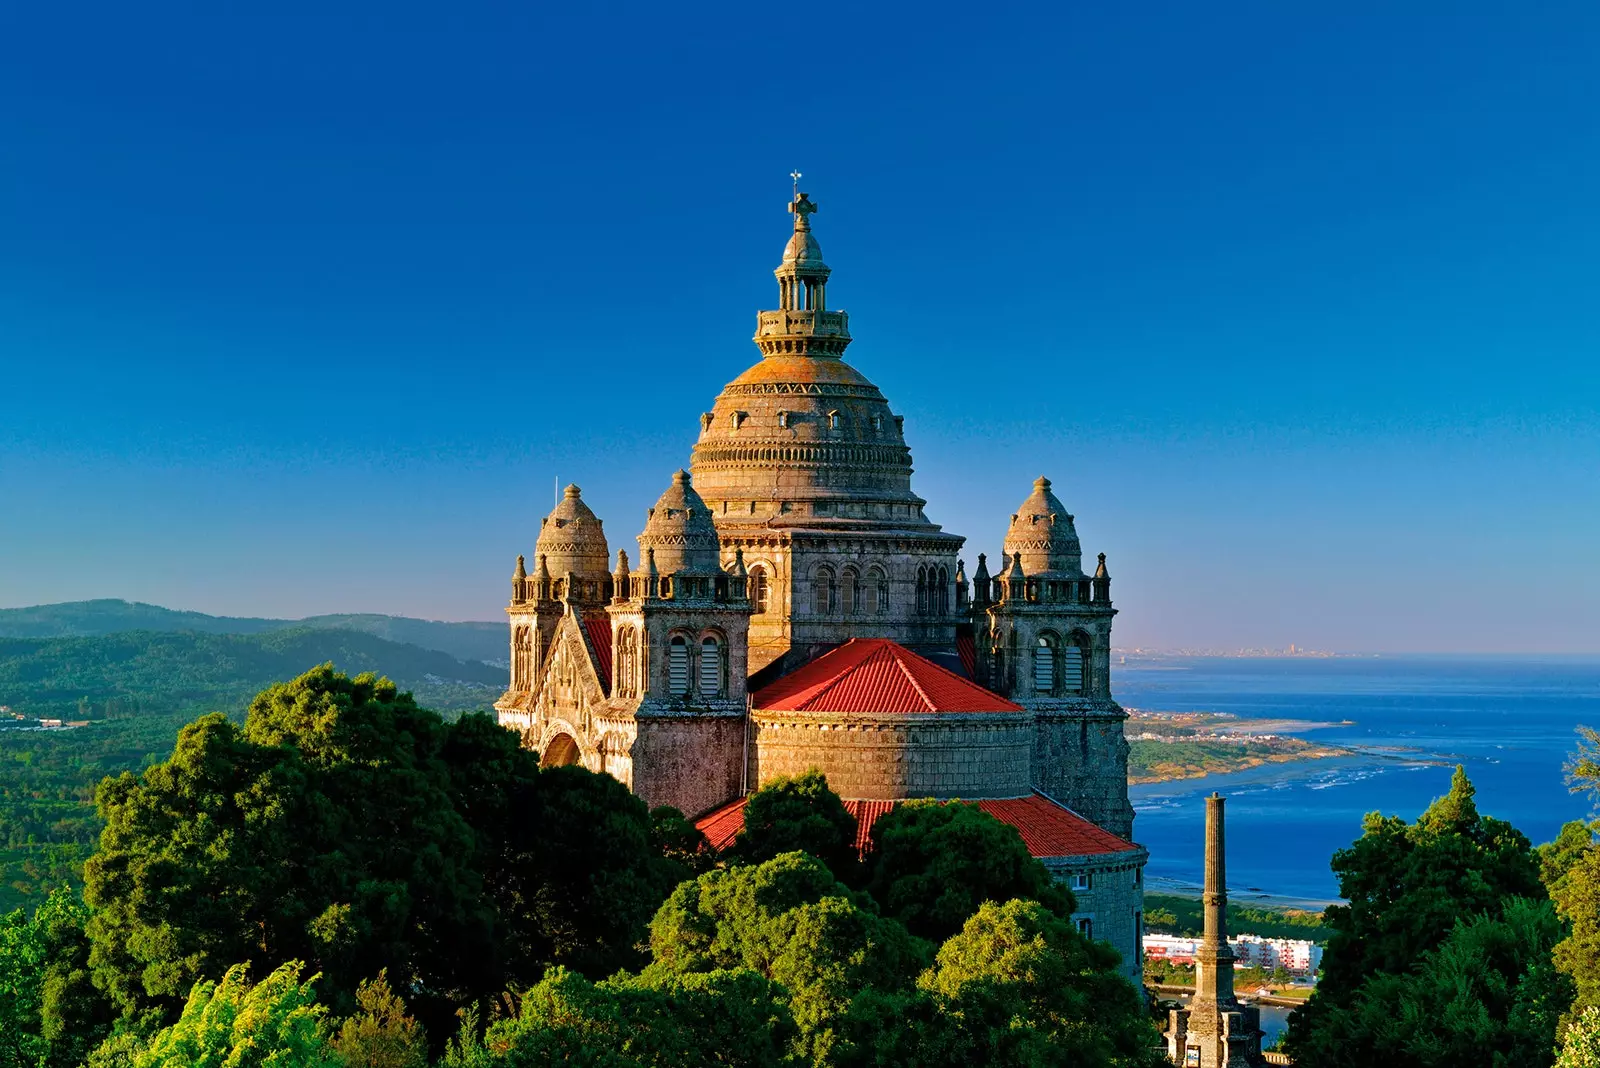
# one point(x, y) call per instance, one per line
point(1510, 721)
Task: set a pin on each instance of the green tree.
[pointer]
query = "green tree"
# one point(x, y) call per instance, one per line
point(346, 827)
point(734, 1018)
point(932, 864)
point(1019, 986)
point(380, 1034)
point(791, 921)
point(1581, 1047)
point(799, 814)
point(276, 1023)
point(680, 842)
point(1571, 870)
point(1488, 994)
point(1406, 885)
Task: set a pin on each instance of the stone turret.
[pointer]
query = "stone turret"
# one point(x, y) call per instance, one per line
point(1043, 632)
point(1215, 1031)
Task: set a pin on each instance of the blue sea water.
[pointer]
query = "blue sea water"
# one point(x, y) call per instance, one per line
point(1510, 721)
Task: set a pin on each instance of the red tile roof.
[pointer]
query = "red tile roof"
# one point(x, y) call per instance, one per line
point(967, 650)
point(599, 632)
point(1047, 829)
point(876, 675)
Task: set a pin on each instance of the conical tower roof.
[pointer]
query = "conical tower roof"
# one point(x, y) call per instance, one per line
point(1042, 536)
point(681, 532)
point(571, 538)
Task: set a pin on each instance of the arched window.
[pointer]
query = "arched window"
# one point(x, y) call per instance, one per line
point(942, 601)
point(850, 589)
point(922, 591)
point(875, 592)
point(758, 589)
point(1045, 670)
point(678, 665)
point(824, 592)
point(1072, 668)
point(710, 666)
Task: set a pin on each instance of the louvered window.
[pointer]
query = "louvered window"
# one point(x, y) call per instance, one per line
point(1044, 665)
point(678, 666)
point(710, 667)
point(1073, 673)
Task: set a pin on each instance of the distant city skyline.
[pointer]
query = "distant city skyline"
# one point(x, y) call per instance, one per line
point(306, 314)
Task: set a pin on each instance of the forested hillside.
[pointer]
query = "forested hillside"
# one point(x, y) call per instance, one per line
point(134, 689)
point(466, 641)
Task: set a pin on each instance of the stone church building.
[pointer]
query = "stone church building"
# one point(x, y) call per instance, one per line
point(791, 606)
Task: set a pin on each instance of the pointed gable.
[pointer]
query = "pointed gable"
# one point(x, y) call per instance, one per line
point(875, 675)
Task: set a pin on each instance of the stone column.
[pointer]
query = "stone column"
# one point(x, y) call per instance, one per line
point(1213, 975)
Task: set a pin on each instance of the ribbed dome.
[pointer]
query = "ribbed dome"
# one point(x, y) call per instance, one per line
point(681, 532)
point(571, 539)
point(1042, 534)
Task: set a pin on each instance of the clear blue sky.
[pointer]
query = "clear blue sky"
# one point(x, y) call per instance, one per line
point(304, 307)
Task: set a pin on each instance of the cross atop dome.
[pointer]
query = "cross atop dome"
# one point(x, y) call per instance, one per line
point(802, 207)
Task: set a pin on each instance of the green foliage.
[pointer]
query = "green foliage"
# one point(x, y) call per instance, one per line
point(1172, 914)
point(50, 1013)
point(1019, 986)
point(1583, 771)
point(275, 1023)
point(932, 864)
point(791, 921)
point(734, 1018)
point(1407, 885)
point(798, 814)
point(680, 842)
point(137, 689)
point(1570, 867)
point(1581, 1047)
point(1488, 994)
point(349, 828)
point(380, 1034)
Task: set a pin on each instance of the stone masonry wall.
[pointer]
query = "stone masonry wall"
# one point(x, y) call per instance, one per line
point(894, 756)
point(691, 762)
point(1080, 758)
point(1113, 903)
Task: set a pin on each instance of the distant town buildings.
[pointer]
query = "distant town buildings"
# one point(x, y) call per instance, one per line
point(1297, 955)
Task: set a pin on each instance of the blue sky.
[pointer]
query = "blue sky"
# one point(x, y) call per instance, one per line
point(304, 307)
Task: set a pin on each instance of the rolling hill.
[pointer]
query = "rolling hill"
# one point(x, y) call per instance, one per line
point(464, 641)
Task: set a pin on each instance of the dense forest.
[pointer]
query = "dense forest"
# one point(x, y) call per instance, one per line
point(132, 691)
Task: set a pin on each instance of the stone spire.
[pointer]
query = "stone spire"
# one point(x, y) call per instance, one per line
point(1221, 1031)
point(802, 324)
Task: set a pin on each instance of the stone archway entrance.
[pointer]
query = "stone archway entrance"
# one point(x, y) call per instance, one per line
point(560, 751)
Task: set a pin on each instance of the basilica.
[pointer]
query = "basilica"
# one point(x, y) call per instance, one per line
point(791, 606)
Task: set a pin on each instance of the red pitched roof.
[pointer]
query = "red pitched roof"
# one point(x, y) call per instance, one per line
point(967, 650)
point(876, 675)
point(599, 632)
point(1047, 829)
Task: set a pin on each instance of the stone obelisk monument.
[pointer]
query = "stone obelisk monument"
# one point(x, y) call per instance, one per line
point(1215, 1031)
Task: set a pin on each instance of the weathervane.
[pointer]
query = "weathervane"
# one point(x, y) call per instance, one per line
point(796, 175)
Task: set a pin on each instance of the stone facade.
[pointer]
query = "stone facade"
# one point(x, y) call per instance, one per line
point(939, 754)
point(1110, 893)
point(796, 530)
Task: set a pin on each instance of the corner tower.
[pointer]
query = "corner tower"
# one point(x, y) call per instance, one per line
point(806, 472)
point(1045, 642)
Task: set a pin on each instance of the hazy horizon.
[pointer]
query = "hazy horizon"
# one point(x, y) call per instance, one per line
point(306, 314)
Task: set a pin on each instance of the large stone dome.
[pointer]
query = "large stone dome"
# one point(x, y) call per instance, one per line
point(680, 531)
point(571, 539)
point(803, 438)
point(1042, 534)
